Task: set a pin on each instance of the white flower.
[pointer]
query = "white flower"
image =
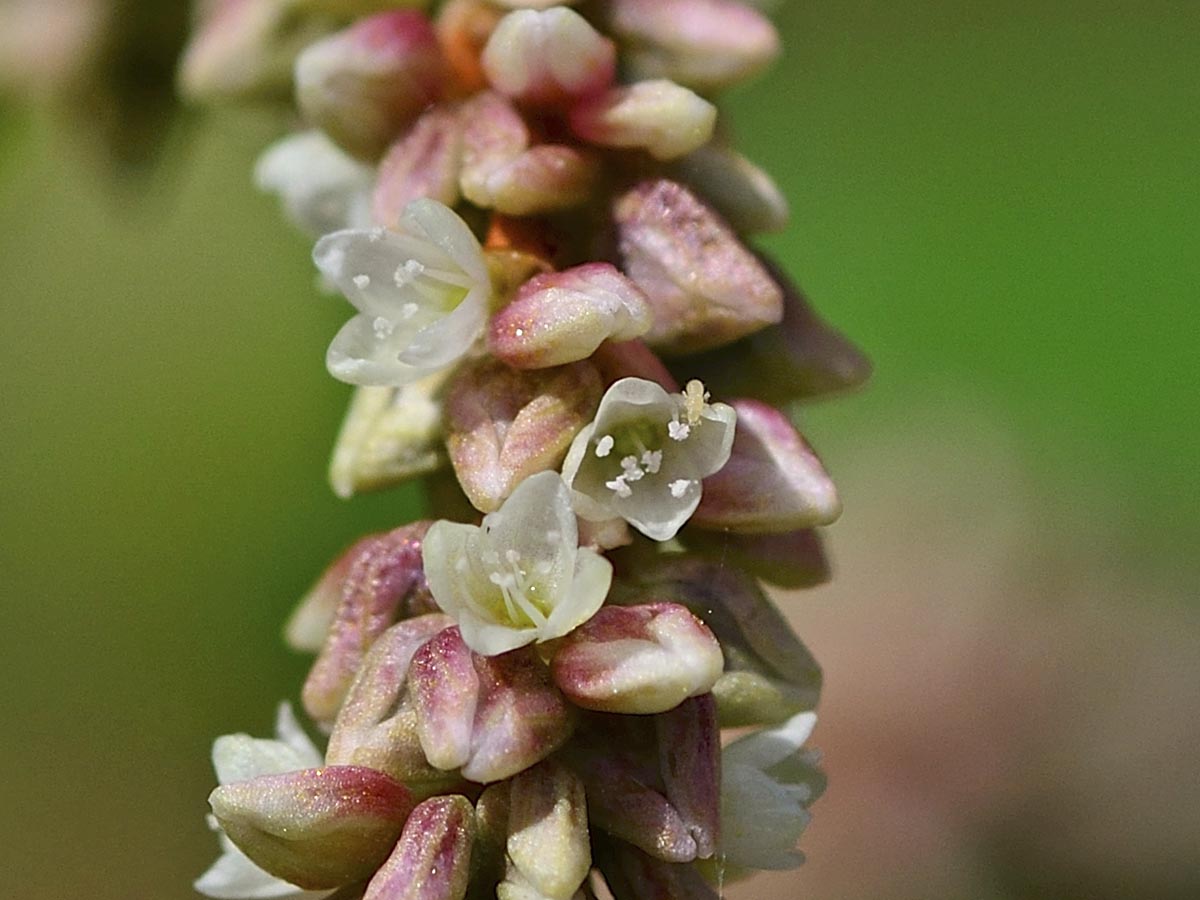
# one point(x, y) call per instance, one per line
point(767, 785)
point(522, 576)
point(421, 293)
point(239, 757)
point(321, 186)
point(644, 456)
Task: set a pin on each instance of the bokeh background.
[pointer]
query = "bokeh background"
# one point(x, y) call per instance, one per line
point(999, 201)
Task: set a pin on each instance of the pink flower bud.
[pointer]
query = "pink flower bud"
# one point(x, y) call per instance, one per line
point(705, 287)
point(773, 481)
point(504, 425)
point(638, 659)
point(308, 627)
point(377, 724)
point(502, 171)
point(561, 317)
point(704, 44)
point(521, 718)
point(661, 117)
point(363, 85)
point(689, 756)
point(244, 48)
point(317, 828)
point(491, 716)
point(445, 687)
point(381, 579)
point(633, 875)
point(625, 790)
point(765, 661)
point(547, 847)
point(800, 358)
point(432, 860)
point(424, 163)
point(548, 57)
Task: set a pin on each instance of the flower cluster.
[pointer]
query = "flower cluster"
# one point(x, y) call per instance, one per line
point(561, 333)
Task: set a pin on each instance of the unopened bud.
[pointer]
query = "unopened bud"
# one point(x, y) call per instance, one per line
point(663, 118)
point(638, 659)
point(800, 358)
point(723, 42)
point(745, 196)
point(689, 756)
point(309, 625)
point(432, 859)
point(423, 163)
point(317, 828)
point(705, 287)
point(632, 359)
point(547, 848)
point(377, 724)
point(561, 317)
point(633, 875)
point(773, 481)
point(548, 57)
point(504, 424)
point(244, 49)
point(502, 171)
point(389, 435)
point(385, 578)
point(491, 716)
point(790, 559)
point(363, 85)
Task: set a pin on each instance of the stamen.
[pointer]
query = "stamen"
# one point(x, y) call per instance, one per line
point(619, 486)
point(383, 328)
point(652, 460)
point(679, 488)
point(604, 446)
point(678, 431)
point(362, 282)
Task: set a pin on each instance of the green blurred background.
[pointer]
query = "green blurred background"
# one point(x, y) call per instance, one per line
point(998, 201)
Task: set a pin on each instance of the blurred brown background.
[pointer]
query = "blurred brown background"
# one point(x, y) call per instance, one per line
point(998, 201)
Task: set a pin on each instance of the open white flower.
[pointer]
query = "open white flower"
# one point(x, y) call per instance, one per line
point(644, 456)
point(239, 757)
point(421, 293)
point(767, 785)
point(322, 187)
point(522, 576)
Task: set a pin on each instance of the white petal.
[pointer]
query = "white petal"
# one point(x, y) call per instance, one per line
point(589, 588)
point(233, 876)
point(239, 757)
point(537, 522)
point(357, 356)
point(440, 225)
point(288, 730)
point(444, 546)
point(321, 187)
point(768, 747)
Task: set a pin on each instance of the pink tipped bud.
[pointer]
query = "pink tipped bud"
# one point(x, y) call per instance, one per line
point(661, 117)
point(801, 358)
point(638, 659)
point(705, 287)
point(423, 163)
point(377, 725)
point(317, 828)
point(773, 481)
point(521, 717)
point(561, 317)
point(625, 799)
point(363, 85)
point(446, 690)
point(704, 44)
point(505, 424)
point(547, 848)
point(689, 755)
point(548, 57)
point(432, 860)
point(244, 48)
point(308, 627)
point(380, 579)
